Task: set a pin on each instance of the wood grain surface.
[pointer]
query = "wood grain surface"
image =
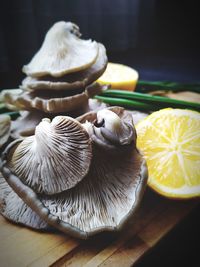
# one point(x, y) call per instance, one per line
point(20, 246)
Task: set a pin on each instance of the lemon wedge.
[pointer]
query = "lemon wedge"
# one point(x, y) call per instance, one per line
point(119, 77)
point(170, 142)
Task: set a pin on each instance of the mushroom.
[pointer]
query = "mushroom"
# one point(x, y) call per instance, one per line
point(107, 196)
point(13, 208)
point(111, 127)
point(56, 158)
point(53, 102)
point(62, 52)
point(5, 123)
point(72, 81)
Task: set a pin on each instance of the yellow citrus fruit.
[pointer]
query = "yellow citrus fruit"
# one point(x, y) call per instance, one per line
point(170, 141)
point(119, 77)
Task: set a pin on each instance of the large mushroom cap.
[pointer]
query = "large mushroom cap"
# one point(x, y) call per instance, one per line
point(62, 52)
point(52, 102)
point(13, 208)
point(72, 81)
point(56, 158)
point(103, 201)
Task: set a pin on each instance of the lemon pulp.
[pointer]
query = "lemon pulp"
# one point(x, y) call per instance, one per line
point(170, 142)
point(119, 77)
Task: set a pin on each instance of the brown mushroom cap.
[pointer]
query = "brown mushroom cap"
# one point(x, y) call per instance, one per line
point(49, 102)
point(56, 158)
point(5, 123)
point(72, 81)
point(62, 52)
point(13, 208)
point(103, 201)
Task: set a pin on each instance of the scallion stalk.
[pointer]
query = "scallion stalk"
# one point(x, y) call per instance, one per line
point(132, 104)
point(158, 101)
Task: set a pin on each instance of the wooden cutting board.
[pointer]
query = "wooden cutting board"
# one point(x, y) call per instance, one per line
point(20, 246)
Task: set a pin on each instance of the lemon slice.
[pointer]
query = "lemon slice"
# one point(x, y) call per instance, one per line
point(119, 77)
point(170, 142)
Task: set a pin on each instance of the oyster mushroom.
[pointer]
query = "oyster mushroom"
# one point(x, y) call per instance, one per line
point(103, 201)
point(13, 208)
point(62, 52)
point(72, 81)
point(52, 102)
point(5, 123)
point(56, 158)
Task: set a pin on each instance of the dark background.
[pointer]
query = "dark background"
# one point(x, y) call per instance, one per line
point(158, 38)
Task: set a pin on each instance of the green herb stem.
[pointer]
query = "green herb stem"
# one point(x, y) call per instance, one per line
point(127, 103)
point(159, 101)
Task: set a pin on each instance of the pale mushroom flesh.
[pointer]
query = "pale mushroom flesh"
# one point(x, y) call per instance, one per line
point(62, 52)
point(71, 81)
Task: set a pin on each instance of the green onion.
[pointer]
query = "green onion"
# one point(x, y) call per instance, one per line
point(149, 102)
point(147, 86)
point(126, 103)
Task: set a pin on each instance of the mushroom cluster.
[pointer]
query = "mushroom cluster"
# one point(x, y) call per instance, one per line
point(60, 78)
point(81, 176)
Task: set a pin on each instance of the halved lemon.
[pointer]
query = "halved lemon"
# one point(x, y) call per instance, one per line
point(170, 142)
point(119, 77)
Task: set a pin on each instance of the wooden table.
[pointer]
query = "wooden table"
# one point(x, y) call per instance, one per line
point(20, 246)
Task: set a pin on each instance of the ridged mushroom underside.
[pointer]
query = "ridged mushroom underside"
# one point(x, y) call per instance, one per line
point(14, 208)
point(56, 158)
point(62, 52)
point(105, 196)
point(110, 192)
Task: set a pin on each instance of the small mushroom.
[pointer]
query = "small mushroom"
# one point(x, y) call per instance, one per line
point(110, 127)
point(56, 158)
point(72, 81)
point(103, 201)
point(62, 52)
point(5, 123)
point(14, 209)
point(52, 102)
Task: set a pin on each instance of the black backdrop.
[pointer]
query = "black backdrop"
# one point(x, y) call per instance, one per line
point(159, 38)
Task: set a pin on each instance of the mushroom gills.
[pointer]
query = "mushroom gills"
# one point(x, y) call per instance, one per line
point(14, 208)
point(104, 200)
point(56, 158)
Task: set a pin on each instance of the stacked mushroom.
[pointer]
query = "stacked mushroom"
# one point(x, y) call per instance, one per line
point(60, 78)
point(82, 176)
